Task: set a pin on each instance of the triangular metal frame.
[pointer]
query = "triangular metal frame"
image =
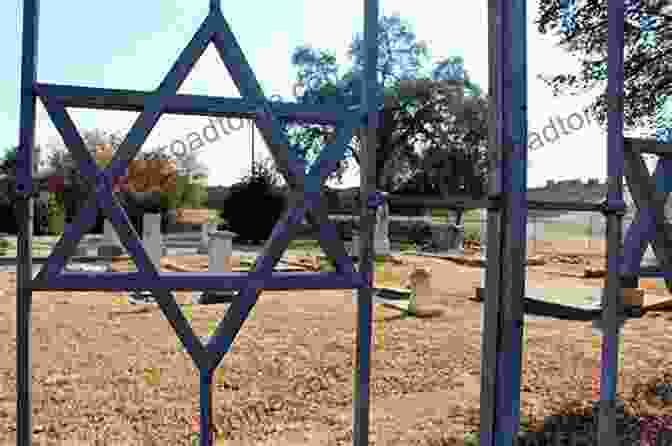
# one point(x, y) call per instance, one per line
point(650, 193)
point(304, 198)
point(305, 201)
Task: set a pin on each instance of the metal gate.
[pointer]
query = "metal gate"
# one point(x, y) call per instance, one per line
point(304, 201)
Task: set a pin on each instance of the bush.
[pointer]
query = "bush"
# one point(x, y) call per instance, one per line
point(184, 194)
point(253, 208)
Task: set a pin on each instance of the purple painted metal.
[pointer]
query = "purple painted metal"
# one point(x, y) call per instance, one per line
point(615, 167)
point(512, 31)
point(188, 105)
point(277, 281)
point(305, 196)
point(642, 230)
point(24, 207)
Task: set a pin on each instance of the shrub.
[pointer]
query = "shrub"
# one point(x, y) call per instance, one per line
point(184, 194)
point(253, 208)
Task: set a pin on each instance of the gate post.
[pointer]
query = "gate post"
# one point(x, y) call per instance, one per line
point(24, 189)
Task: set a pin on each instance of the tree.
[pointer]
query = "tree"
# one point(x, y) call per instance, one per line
point(150, 171)
point(401, 57)
point(648, 49)
point(414, 105)
point(454, 155)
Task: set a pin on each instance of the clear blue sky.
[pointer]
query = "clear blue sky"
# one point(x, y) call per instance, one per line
point(132, 44)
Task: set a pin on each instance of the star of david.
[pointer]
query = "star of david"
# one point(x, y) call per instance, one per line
point(304, 200)
point(649, 193)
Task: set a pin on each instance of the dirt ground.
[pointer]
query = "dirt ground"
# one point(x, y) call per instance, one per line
point(110, 373)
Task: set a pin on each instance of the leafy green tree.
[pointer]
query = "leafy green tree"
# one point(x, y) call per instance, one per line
point(415, 102)
point(648, 49)
point(401, 57)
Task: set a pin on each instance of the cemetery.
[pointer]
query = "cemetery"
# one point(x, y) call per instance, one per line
point(450, 310)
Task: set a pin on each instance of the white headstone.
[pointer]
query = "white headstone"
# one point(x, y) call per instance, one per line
point(535, 229)
point(152, 238)
point(355, 244)
point(382, 238)
point(206, 229)
point(597, 227)
point(220, 251)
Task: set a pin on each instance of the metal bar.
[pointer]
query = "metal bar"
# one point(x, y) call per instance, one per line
point(650, 200)
point(647, 145)
point(24, 189)
point(640, 231)
point(12, 261)
point(492, 203)
point(279, 281)
point(491, 308)
point(564, 206)
point(186, 104)
point(655, 273)
point(24, 161)
point(413, 201)
point(368, 184)
point(206, 408)
point(512, 79)
point(615, 160)
point(634, 245)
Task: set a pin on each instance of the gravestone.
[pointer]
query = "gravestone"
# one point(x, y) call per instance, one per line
point(206, 229)
point(535, 232)
point(111, 245)
point(535, 229)
point(354, 247)
point(220, 251)
point(381, 239)
point(152, 238)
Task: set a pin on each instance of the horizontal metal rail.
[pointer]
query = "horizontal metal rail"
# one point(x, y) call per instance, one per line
point(9, 261)
point(278, 281)
point(189, 105)
point(647, 145)
point(411, 201)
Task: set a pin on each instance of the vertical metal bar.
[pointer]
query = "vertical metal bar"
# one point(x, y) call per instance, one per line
point(360, 431)
point(615, 159)
point(24, 188)
point(24, 158)
point(503, 321)
point(514, 222)
point(490, 328)
point(206, 408)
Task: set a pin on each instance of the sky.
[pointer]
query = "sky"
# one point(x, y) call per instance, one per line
point(132, 45)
